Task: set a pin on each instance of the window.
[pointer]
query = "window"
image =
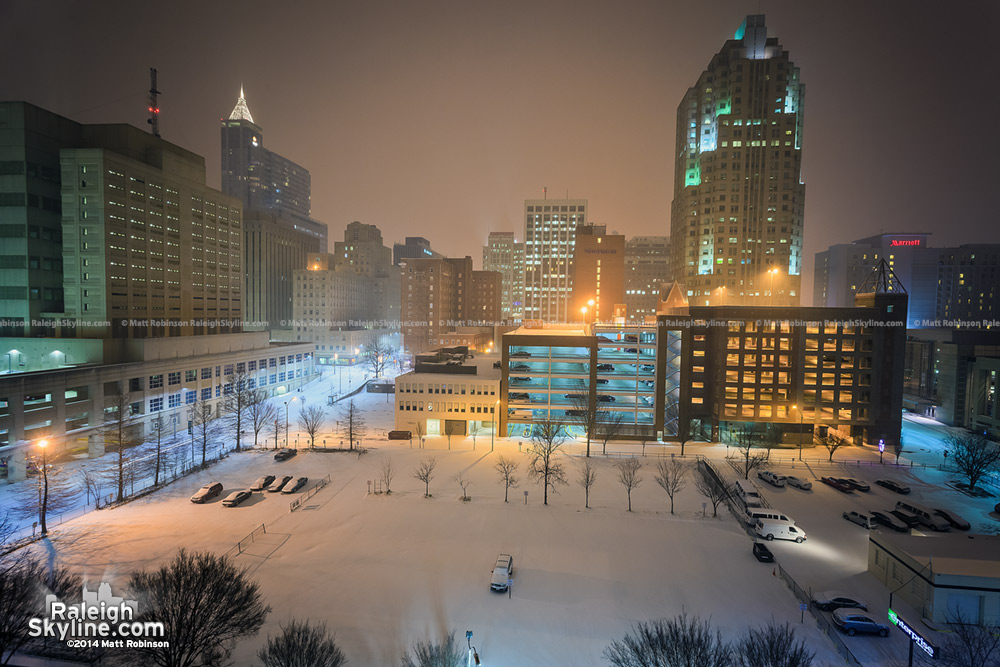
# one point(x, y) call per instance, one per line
point(206, 373)
point(190, 376)
point(174, 377)
point(155, 404)
point(206, 394)
point(156, 382)
point(174, 401)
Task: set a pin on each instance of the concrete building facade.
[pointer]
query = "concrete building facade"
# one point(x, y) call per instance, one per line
point(598, 274)
point(549, 242)
point(647, 267)
point(504, 254)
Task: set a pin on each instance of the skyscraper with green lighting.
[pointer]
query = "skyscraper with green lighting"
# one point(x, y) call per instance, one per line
point(736, 217)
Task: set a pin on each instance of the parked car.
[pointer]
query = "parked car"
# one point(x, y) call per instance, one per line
point(853, 622)
point(502, 571)
point(400, 435)
point(862, 520)
point(605, 367)
point(517, 396)
point(575, 397)
point(236, 497)
point(762, 553)
point(889, 520)
point(906, 517)
point(279, 484)
point(602, 381)
point(521, 354)
point(837, 484)
point(630, 350)
point(520, 378)
point(285, 454)
point(207, 492)
point(770, 529)
point(292, 487)
point(798, 482)
point(831, 600)
point(855, 484)
point(604, 398)
point(520, 367)
point(262, 483)
point(893, 485)
point(647, 368)
point(771, 478)
point(925, 515)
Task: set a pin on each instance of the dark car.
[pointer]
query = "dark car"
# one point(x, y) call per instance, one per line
point(235, 498)
point(889, 520)
point(262, 483)
point(292, 487)
point(602, 381)
point(279, 484)
point(892, 485)
point(762, 553)
point(520, 378)
point(521, 353)
point(852, 622)
point(604, 398)
point(576, 397)
point(837, 484)
point(285, 454)
point(830, 600)
point(517, 396)
point(207, 492)
point(576, 413)
point(855, 484)
point(910, 520)
point(955, 520)
point(605, 367)
point(520, 367)
point(630, 350)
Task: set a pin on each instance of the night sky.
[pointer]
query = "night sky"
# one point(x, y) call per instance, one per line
point(438, 119)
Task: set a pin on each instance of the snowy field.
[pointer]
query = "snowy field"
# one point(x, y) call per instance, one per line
point(385, 571)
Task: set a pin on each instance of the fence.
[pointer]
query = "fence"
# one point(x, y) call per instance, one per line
point(246, 541)
point(825, 626)
point(295, 504)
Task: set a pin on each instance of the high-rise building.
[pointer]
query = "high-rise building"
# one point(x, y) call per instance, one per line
point(647, 267)
point(414, 247)
point(549, 241)
point(426, 301)
point(502, 253)
point(946, 286)
point(485, 297)
point(736, 217)
point(598, 274)
point(363, 253)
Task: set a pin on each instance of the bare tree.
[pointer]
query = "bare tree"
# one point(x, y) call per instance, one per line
point(24, 583)
point(713, 490)
point(385, 473)
point(628, 475)
point(203, 421)
point(447, 653)
point(277, 428)
point(609, 427)
point(352, 423)
point(311, 421)
point(260, 413)
point(463, 482)
point(120, 432)
point(771, 437)
point(48, 492)
point(587, 478)
point(194, 595)
point(832, 441)
point(421, 431)
point(771, 645)
point(973, 454)
point(507, 472)
point(301, 644)
point(377, 355)
point(159, 428)
point(547, 438)
point(747, 440)
point(671, 475)
point(450, 427)
point(897, 447)
point(474, 430)
point(685, 432)
point(681, 641)
point(93, 485)
point(7, 529)
point(969, 644)
point(425, 473)
point(239, 395)
point(583, 413)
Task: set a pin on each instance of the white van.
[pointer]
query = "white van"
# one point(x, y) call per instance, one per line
point(770, 529)
point(926, 516)
point(747, 493)
point(754, 513)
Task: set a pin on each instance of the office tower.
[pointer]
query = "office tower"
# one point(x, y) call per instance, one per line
point(362, 252)
point(598, 274)
point(502, 253)
point(647, 267)
point(549, 239)
point(946, 286)
point(485, 298)
point(736, 216)
point(414, 247)
point(426, 301)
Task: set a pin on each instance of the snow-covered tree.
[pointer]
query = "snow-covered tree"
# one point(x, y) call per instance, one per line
point(425, 473)
point(681, 641)
point(301, 644)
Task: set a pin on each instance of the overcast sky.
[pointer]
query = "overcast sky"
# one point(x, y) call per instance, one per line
point(438, 119)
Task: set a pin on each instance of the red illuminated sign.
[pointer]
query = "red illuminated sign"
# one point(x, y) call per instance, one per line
point(905, 242)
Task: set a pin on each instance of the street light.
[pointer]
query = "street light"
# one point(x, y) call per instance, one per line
point(770, 296)
point(43, 492)
point(493, 422)
point(795, 407)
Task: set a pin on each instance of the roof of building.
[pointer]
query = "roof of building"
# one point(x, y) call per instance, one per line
point(558, 330)
point(241, 111)
point(484, 371)
point(949, 554)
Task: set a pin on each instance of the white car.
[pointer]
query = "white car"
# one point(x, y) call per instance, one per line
point(771, 478)
point(502, 571)
point(862, 520)
point(798, 482)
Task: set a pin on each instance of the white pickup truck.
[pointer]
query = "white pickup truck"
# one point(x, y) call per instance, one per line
point(502, 571)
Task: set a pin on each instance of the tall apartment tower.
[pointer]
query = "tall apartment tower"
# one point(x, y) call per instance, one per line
point(736, 217)
point(647, 267)
point(598, 274)
point(503, 254)
point(549, 242)
point(362, 252)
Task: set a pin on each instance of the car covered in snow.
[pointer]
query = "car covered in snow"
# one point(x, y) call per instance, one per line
point(207, 492)
point(292, 487)
point(236, 497)
point(262, 483)
point(798, 482)
point(837, 484)
point(889, 520)
point(830, 600)
point(862, 520)
point(279, 483)
point(502, 571)
point(855, 484)
point(893, 485)
point(853, 622)
point(285, 454)
point(771, 478)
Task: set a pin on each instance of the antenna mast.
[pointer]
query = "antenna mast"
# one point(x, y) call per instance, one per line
point(154, 107)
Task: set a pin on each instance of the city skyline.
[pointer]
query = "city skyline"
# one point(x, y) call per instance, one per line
point(413, 107)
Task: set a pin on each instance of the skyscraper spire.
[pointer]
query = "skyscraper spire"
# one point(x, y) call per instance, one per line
point(241, 111)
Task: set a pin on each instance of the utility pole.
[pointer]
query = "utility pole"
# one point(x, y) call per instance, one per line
point(154, 106)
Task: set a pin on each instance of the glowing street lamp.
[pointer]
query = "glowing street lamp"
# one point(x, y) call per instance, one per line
point(770, 296)
point(43, 491)
point(795, 407)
